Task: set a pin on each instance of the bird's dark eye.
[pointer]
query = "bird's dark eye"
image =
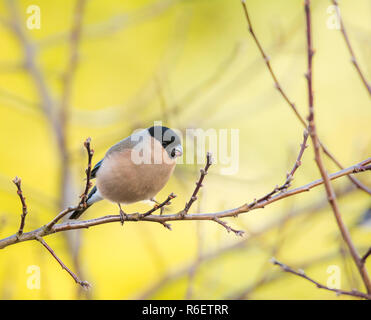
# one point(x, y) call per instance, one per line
point(173, 153)
point(165, 143)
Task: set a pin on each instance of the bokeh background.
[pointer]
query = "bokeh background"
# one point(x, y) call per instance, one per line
point(189, 64)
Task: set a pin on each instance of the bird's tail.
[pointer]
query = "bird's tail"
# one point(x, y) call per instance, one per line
point(78, 212)
point(93, 197)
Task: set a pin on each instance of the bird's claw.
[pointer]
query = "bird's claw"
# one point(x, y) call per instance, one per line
point(123, 216)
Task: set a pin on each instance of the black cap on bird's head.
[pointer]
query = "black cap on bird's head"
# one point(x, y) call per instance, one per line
point(168, 139)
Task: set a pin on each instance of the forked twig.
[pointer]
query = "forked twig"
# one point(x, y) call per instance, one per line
point(318, 158)
point(301, 273)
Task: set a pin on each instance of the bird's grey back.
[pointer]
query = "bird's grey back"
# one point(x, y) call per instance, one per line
point(127, 143)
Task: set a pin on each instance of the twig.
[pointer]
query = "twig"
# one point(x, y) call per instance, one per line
point(60, 215)
point(297, 164)
point(267, 62)
point(84, 196)
point(312, 131)
point(203, 172)
point(159, 206)
point(350, 49)
point(356, 182)
point(289, 102)
point(302, 274)
point(84, 284)
point(289, 176)
point(17, 182)
point(228, 228)
point(366, 255)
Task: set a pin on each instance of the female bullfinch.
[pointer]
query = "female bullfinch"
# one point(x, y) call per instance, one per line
point(135, 168)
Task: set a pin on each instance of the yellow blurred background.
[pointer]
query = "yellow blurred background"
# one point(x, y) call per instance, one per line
point(189, 64)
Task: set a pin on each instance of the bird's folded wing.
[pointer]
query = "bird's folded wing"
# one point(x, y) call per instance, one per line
point(95, 169)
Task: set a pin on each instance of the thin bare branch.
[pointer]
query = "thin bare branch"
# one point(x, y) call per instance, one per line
point(289, 102)
point(59, 216)
point(302, 274)
point(84, 284)
point(297, 164)
point(228, 228)
point(17, 182)
point(267, 62)
point(203, 172)
point(318, 158)
point(159, 206)
point(350, 49)
point(289, 176)
point(84, 196)
point(366, 255)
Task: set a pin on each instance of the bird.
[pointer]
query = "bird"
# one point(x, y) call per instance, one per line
point(134, 169)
